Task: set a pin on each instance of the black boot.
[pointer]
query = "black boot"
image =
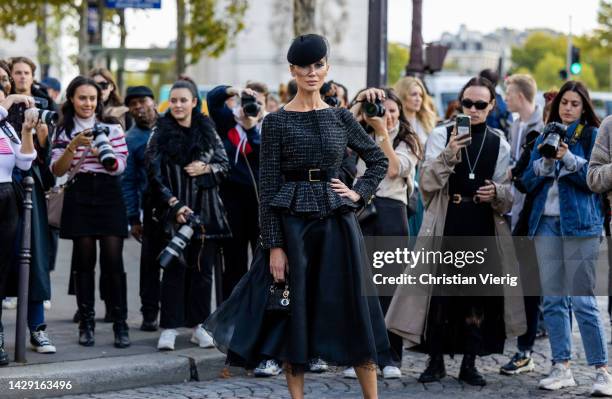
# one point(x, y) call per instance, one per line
point(122, 337)
point(149, 320)
point(77, 317)
point(108, 315)
point(118, 303)
point(469, 374)
point(85, 291)
point(4, 360)
point(87, 327)
point(435, 370)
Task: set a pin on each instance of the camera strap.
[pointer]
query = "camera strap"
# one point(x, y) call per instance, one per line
point(8, 131)
point(577, 134)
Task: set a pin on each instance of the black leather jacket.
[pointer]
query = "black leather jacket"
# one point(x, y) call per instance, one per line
point(171, 148)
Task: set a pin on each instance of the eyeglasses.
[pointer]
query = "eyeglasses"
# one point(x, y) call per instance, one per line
point(306, 69)
point(480, 105)
point(103, 85)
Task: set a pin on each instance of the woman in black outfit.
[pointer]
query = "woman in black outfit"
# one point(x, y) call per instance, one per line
point(309, 233)
point(186, 161)
point(93, 208)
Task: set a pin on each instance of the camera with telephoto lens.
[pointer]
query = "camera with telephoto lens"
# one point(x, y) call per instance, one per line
point(44, 115)
point(179, 241)
point(554, 133)
point(331, 100)
point(106, 155)
point(374, 109)
point(250, 106)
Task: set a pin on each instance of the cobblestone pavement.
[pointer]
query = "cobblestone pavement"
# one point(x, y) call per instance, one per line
point(331, 385)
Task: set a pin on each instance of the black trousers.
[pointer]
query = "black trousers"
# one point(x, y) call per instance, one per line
point(150, 273)
point(186, 292)
point(391, 220)
point(9, 216)
point(242, 210)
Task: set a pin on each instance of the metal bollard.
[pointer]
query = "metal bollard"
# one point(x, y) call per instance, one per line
point(25, 255)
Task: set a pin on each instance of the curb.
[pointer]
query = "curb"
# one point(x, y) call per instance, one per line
point(111, 373)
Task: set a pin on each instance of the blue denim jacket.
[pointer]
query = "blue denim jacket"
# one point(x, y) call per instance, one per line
point(581, 210)
point(134, 179)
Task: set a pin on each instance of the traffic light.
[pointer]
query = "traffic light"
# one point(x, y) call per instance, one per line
point(563, 74)
point(575, 65)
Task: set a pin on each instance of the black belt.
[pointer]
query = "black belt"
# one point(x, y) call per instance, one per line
point(310, 175)
point(458, 199)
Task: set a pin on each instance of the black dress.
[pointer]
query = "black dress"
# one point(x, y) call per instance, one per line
point(330, 318)
point(447, 330)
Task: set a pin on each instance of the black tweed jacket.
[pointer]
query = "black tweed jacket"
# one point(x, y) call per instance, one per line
point(298, 141)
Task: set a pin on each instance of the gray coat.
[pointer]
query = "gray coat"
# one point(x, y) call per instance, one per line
point(599, 176)
point(536, 123)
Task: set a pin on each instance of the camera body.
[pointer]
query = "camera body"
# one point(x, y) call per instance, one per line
point(250, 106)
point(44, 115)
point(179, 241)
point(101, 142)
point(331, 100)
point(554, 133)
point(374, 109)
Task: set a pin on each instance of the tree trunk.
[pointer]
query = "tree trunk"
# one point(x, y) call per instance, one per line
point(304, 17)
point(83, 58)
point(180, 37)
point(415, 66)
point(121, 58)
point(44, 53)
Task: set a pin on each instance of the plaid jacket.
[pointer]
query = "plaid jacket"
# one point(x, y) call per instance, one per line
point(298, 141)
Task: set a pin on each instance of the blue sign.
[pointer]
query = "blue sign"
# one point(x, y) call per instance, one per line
point(133, 3)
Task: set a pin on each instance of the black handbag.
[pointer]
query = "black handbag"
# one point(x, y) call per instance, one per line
point(279, 298)
point(367, 212)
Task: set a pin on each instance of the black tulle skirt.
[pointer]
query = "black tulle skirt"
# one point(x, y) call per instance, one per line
point(330, 318)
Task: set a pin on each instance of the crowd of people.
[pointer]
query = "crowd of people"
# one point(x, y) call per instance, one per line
point(294, 183)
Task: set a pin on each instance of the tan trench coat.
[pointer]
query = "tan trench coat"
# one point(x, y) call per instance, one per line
point(407, 314)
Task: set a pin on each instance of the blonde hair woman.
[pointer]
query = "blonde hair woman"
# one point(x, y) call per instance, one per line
point(418, 106)
point(419, 110)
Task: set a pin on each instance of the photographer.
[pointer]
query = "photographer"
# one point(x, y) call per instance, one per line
point(140, 101)
point(92, 148)
point(185, 161)
point(388, 216)
point(241, 135)
point(21, 82)
point(566, 220)
point(13, 153)
point(520, 98)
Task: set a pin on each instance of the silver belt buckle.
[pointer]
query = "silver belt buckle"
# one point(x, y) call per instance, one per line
point(310, 178)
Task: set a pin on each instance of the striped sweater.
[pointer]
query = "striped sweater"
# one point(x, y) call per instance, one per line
point(599, 176)
point(10, 150)
point(91, 163)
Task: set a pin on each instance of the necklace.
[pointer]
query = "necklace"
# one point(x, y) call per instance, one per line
point(472, 176)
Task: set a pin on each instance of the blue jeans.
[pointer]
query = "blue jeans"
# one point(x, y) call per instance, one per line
point(567, 267)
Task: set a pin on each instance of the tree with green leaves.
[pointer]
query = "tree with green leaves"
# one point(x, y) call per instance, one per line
point(397, 58)
point(207, 31)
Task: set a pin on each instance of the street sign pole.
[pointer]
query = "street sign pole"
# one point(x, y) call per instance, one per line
point(377, 43)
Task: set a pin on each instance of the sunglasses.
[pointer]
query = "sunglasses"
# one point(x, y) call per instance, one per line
point(480, 105)
point(103, 85)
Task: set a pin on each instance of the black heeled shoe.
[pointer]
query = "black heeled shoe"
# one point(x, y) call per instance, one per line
point(469, 373)
point(435, 370)
point(122, 337)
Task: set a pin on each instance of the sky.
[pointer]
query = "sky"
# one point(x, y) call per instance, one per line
point(482, 15)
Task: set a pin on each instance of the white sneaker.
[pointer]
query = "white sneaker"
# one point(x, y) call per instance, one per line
point(166, 339)
point(201, 337)
point(349, 373)
point(559, 377)
point(391, 372)
point(9, 303)
point(317, 365)
point(39, 339)
point(267, 368)
point(603, 383)
point(47, 305)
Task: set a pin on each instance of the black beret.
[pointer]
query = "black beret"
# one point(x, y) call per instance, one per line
point(307, 49)
point(137, 91)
